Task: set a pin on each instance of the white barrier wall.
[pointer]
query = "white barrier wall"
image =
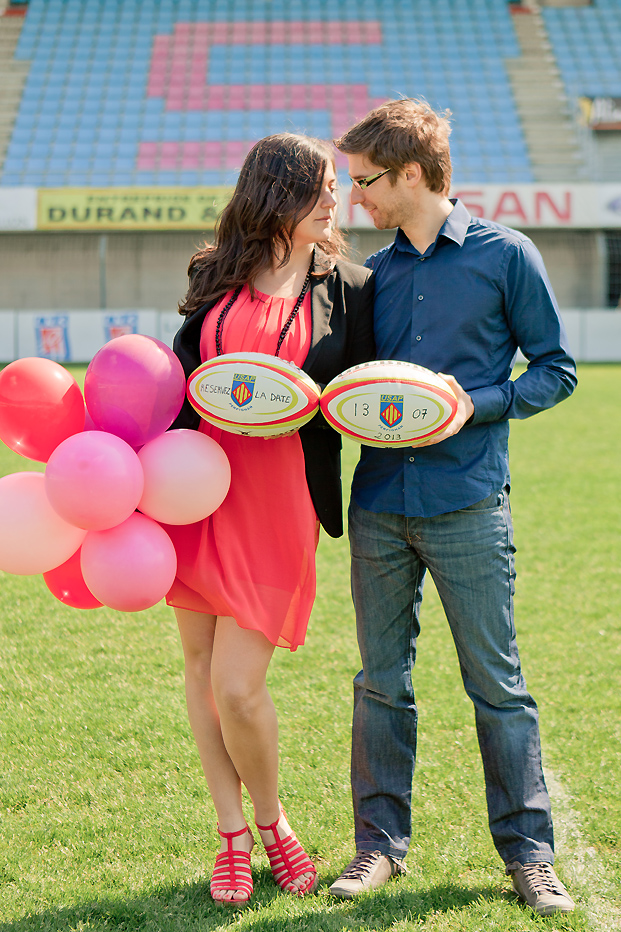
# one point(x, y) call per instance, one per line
point(75, 336)
point(594, 336)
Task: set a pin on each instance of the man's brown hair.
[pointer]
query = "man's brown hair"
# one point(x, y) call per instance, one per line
point(400, 132)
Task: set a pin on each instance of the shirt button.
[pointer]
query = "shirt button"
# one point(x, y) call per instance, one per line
point(421, 259)
point(420, 297)
point(411, 459)
point(418, 338)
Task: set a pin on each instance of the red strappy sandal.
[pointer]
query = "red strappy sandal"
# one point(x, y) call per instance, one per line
point(232, 871)
point(288, 861)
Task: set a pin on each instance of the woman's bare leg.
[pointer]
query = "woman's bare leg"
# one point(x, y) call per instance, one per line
point(247, 715)
point(197, 634)
point(248, 720)
point(233, 720)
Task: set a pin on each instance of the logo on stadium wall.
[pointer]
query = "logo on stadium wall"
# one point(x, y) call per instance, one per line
point(119, 325)
point(242, 389)
point(52, 335)
point(391, 410)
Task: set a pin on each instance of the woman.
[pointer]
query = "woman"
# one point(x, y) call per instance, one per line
point(273, 282)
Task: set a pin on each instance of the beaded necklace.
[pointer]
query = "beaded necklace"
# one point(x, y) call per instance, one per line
point(289, 321)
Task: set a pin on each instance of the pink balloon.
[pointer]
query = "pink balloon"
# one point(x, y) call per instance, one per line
point(94, 480)
point(186, 477)
point(129, 567)
point(40, 405)
point(33, 537)
point(67, 584)
point(134, 388)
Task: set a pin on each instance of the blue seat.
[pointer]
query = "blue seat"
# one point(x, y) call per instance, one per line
point(104, 150)
point(106, 135)
point(129, 136)
point(122, 179)
point(10, 179)
point(19, 139)
point(61, 150)
point(13, 164)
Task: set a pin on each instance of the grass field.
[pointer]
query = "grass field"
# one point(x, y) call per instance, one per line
point(105, 822)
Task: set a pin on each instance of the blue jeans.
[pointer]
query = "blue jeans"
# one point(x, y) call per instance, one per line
point(470, 555)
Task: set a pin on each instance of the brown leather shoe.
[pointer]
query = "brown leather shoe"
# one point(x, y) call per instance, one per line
point(368, 870)
point(537, 884)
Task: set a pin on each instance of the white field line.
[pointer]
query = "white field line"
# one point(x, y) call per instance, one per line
point(583, 870)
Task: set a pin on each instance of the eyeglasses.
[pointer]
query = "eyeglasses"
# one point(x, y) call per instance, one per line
point(363, 183)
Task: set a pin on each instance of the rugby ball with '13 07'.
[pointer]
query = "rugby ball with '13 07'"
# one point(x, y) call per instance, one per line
point(388, 403)
point(254, 394)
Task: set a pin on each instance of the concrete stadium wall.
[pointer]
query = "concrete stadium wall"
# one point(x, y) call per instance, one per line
point(70, 271)
point(78, 271)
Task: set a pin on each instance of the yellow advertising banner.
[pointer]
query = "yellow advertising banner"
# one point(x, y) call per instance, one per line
point(105, 209)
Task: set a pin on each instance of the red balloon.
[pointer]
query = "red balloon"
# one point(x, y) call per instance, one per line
point(66, 582)
point(40, 406)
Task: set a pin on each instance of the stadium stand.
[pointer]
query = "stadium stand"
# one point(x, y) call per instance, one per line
point(586, 43)
point(547, 112)
point(12, 75)
point(173, 92)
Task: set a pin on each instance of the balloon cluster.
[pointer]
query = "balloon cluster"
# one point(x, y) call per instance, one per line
point(92, 523)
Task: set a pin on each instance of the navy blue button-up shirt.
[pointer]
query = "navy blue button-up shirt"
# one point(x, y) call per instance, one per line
point(463, 307)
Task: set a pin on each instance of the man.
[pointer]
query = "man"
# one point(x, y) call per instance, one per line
point(457, 295)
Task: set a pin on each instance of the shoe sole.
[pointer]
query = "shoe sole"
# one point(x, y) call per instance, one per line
point(547, 910)
point(343, 894)
point(231, 904)
point(553, 910)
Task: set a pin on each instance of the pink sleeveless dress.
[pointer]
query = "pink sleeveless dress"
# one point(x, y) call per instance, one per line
point(254, 558)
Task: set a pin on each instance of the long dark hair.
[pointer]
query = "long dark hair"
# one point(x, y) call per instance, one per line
point(279, 184)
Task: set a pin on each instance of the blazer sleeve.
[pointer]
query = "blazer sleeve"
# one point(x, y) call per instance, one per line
point(186, 346)
point(347, 341)
point(362, 348)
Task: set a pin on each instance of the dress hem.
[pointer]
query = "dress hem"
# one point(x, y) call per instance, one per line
point(279, 643)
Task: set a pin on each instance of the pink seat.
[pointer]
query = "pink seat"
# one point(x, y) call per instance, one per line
point(297, 96)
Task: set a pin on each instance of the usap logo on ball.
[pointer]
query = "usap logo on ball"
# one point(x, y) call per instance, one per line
point(391, 410)
point(242, 389)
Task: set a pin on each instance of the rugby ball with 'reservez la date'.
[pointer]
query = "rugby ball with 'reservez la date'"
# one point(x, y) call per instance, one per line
point(253, 394)
point(388, 403)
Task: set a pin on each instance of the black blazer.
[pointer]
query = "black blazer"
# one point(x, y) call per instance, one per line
point(342, 336)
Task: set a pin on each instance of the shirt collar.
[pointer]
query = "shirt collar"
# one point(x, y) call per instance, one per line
point(454, 227)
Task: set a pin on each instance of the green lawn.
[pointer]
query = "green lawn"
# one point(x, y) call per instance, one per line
point(105, 822)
